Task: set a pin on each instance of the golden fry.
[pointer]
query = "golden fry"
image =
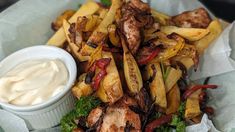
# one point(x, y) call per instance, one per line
point(192, 108)
point(160, 17)
point(110, 89)
point(215, 29)
point(131, 70)
point(173, 100)
point(59, 37)
point(73, 47)
point(81, 88)
point(172, 78)
point(192, 34)
point(157, 87)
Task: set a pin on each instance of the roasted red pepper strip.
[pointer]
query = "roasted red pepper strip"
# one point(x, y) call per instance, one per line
point(145, 59)
point(158, 122)
point(96, 81)
point(190, 91)
point(101, 64)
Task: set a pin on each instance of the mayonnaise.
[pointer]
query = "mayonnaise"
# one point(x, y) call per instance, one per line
point(33, 82)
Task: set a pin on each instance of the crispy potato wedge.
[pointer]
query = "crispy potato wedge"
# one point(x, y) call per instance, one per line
point(157, 87)
point(101, 32)
point(81, 88)
point(131, 70)
point(110, 89)
point(171, 51)
point(215, 29)
point(102, 12)
point(73, 47)
point(91, 23)
point(113, 36)
point(59, 37)
point(192, 108)
point(173, 100)
point(160, 17)
point(201, 45)
point(192, 34)
point(96, 55)
point(58, 23)
point(172, 78)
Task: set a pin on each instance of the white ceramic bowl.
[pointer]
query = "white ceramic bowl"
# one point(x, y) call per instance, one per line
point(48, 113)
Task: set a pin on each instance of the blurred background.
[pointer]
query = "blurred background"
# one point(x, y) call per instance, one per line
point(224, 9)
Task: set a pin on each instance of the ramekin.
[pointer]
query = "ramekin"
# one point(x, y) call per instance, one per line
point(48, 113)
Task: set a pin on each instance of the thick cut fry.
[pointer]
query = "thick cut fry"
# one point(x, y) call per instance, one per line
point(215, 29)
point(201, 45)
point(101, 32)
point(192, 34)
point(160, 17)
point(96, 55)
point(131, 70)
point(173, 100)
point(91, 23)
point(59, 37)
point(172, 78)
point(110, 89)
point(172, 51)
point(74, 48)
point(102, 12)
point(113, 36)
point(81, 88)
point(192, 108)
point(187, 62)
point(58, 23)
point(157, 87)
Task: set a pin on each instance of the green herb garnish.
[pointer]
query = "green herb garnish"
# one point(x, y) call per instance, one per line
point(82, 108)
point(85, 104)
point(106, 2)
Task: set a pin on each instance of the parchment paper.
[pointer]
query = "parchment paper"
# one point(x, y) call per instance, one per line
point(28, 23)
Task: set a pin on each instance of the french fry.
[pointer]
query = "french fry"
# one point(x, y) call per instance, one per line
point(172, 78)
point(110, 89)
point(215, 29)
point(74, 48)
point(113, 37)
point(81, 88)
point(172, 51)
point(160, 17)
point(100, 34)
point(173, 100)
point(91, 23)
point(201, 45)
point(102, 12)
point(192, 34)
point(131, 70)
point(157, 87)
point(59, 37)
point(192, 108)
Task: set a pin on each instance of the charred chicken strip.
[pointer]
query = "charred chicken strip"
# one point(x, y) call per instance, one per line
point(118, 116)
point(135, 16)
point(94, 116)
point(198, 18)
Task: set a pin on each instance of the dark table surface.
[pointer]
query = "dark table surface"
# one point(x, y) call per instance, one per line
point(224, 9)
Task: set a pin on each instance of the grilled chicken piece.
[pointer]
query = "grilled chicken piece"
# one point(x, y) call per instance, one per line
point(116, 118)
point(94, 116)
point(198, 18)
point(119, 115)
point(132, 33)
point(136, 16)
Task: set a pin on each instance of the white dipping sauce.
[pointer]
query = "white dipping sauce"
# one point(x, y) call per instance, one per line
point(33, 82)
